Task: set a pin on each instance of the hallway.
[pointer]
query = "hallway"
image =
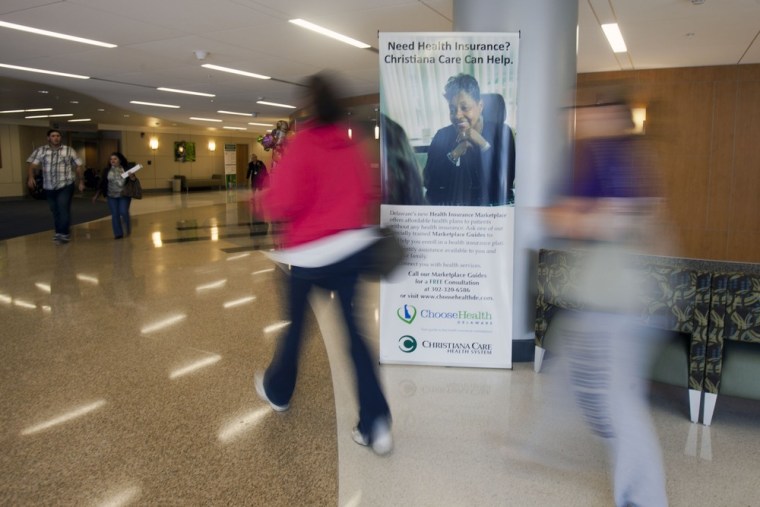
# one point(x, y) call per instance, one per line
point(127, 380)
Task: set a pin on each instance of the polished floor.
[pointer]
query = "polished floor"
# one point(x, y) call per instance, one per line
point(126, 379)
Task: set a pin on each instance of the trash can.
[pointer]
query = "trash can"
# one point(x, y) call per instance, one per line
point(177, 185)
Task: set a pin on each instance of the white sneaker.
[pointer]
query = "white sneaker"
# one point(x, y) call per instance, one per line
point(258, 383)
point(381, 441)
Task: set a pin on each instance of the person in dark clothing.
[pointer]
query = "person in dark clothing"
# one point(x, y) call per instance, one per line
point(257, 173)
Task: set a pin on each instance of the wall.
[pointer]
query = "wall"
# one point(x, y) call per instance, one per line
point(705, 123)
point(159, 167)
point(16, 144)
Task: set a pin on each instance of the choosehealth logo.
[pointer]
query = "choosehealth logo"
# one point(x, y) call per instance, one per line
point(407, 313)
point(407, 344)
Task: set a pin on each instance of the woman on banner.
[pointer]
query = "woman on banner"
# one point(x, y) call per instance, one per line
point(471, 161)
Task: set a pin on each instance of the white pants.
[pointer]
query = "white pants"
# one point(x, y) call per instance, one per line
point(606, 361)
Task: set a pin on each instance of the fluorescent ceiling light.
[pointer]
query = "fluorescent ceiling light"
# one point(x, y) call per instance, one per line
point(37, 110)
point(261, 124)
point(235, 128)
point(275, 104)
point(234, 71)
point(329, 33)
point(205, 119)
point(186, 92)
point(233, 112)
point(154, 104)
point(42, 71)
point(614, 37)
point(49, 116)
point(48, 33)
point(80, 119)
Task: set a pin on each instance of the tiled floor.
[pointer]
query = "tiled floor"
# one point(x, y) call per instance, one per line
point(127, 380)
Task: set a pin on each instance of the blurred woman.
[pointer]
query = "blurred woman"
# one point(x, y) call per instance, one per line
point(323, 193)
point(111, 185)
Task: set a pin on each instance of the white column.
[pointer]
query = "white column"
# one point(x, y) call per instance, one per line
point(546, 88)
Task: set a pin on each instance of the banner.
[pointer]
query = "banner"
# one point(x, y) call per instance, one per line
point(448, 121)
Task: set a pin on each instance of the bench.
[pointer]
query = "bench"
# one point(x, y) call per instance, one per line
point(216, 180)
point(711, 308)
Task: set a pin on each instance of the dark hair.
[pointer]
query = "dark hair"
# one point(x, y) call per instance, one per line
point(122, 159)
point(324, 96)
point(51, 131)
point(403, 184)
point(462, 83)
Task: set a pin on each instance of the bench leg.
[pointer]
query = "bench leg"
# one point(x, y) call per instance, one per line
point(538, 359)
point(710, 399)
point(695, 399)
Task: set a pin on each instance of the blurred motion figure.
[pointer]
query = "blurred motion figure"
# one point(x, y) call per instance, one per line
point(323, 192)
point(610, 213)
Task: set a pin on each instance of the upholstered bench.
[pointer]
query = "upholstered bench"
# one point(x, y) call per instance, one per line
point(675, 299)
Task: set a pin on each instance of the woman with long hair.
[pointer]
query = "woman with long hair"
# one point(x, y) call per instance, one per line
point(323, 193)
point(111, 185)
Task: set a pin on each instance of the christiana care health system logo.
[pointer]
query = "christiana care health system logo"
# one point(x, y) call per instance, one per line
point(407, 344)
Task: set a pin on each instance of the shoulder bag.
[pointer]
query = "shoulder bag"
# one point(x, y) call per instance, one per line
point(132, 188)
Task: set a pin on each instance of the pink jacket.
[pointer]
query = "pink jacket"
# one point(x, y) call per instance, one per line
point(322, 185)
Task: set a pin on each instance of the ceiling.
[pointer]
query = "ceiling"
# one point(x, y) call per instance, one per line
point(157, 41)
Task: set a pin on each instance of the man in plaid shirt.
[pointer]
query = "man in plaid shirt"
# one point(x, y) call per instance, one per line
point(61, 171)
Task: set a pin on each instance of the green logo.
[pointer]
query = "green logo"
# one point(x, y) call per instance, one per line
point(407, 344)
point(407, 313)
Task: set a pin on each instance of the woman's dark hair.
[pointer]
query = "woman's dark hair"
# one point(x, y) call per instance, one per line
point(403, 183)
point(462, 83)
point(122, 159)
point(324, 96)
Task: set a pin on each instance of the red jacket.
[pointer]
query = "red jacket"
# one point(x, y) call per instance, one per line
point(322, 185)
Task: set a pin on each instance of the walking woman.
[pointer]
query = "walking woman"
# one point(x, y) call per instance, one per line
point(111, 185)
point(323, 193)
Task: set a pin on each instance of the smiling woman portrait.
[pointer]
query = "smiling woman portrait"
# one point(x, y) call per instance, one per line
point(471, 161)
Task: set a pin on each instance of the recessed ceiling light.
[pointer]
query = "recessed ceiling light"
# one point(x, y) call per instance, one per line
point(49, 116)
point(235, 128)
point(43, 71)
point(186, 92)
point(205, 119)
point(48, 33)
point(329, 33)
point(73, 102)
point(79, 120)
point(233, 112)
point(234, 71)
point(261, 124)
point(614, 37)
point(42, 91)
point(154, 104)
point(275, 104)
